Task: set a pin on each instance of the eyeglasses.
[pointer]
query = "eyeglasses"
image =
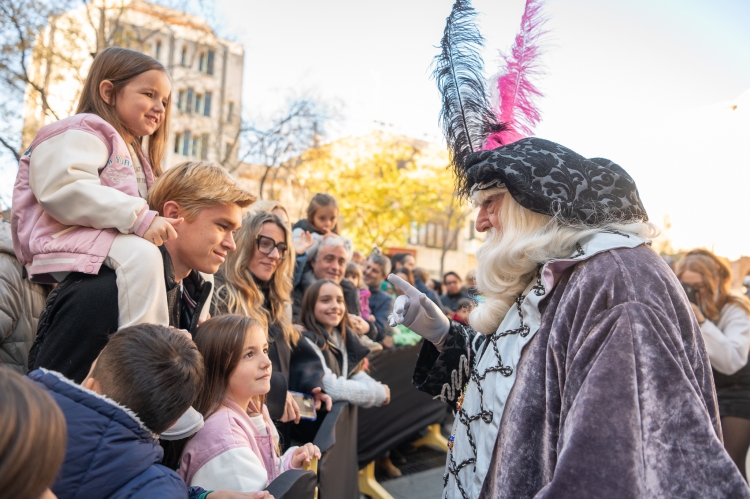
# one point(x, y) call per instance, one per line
point(266, 246)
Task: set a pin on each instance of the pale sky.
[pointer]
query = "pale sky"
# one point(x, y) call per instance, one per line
point(629, 80)
point(642, 82)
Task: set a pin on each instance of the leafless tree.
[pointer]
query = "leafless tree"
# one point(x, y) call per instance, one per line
point(280, 143)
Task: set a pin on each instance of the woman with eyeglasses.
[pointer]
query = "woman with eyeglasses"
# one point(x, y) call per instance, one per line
point(724, 319)
point(255, 281)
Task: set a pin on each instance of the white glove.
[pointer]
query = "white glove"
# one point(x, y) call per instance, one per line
point(417, 312)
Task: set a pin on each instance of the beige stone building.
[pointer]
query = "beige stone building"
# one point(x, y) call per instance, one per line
point(206, 72)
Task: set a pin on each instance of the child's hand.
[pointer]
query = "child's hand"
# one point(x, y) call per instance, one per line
point(361, 327)
point(303, 243)
point(162, 230)
point(321, 398)
point(304, 454)
point(387, 395)
point(291, 410)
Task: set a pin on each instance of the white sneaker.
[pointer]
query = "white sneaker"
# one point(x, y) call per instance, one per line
point(188, 425)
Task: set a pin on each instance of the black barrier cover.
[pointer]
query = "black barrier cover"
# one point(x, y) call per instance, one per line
point(293, 484)
point(337, 440)
point(381, 429)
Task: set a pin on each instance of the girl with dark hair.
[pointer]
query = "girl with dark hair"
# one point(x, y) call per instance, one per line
point(724, 319)
point(237, 448)
point(339, 350)
point(32, 439)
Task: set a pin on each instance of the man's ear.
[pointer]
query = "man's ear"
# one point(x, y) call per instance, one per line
point(171, 209)
point(107, 92)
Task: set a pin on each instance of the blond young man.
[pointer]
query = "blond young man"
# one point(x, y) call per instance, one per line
point(82, 312)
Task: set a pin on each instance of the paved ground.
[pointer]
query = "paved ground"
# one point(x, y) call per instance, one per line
point(423, 485)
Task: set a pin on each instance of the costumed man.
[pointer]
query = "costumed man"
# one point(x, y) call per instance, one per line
point(584, 373)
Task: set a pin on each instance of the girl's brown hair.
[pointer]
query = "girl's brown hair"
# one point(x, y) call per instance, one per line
point(240, 294)
point(120, 66)
point(321, 201)
point(717, 278)
point(32, 437)
point(307, 317)
point(221, 340)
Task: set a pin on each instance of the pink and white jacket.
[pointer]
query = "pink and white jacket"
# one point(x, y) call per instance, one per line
point(230, 453)
point(75, 190)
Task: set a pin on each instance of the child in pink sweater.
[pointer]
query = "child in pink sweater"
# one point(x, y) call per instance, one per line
point(237, 448)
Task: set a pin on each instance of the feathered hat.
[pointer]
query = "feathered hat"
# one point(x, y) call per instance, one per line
point(489, 144)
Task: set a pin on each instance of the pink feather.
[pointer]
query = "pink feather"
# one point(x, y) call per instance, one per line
point(516, 92)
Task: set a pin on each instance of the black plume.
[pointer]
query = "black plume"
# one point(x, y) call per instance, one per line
point(467, 117)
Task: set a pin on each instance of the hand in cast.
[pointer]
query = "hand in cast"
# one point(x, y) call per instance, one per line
point(417, 312)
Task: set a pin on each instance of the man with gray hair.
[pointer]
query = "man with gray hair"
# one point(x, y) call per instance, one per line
point(327, 260)
point(584, 373)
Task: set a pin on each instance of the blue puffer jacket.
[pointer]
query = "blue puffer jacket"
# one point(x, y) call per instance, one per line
point(110, 453)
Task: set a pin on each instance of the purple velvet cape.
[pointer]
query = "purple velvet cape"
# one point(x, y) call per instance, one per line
point(614, 396)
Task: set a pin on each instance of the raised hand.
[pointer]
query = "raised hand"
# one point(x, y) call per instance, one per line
point(417, 312)
point(303, 243)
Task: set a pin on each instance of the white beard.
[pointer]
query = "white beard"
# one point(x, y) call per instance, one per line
point(499, 284)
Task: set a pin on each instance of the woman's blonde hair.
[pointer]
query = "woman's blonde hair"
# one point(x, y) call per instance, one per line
point(119, 66)
point(196, 185)
point(717, 279)
point(268, 205)
point(32, 437)
point(240, 294)
point(507, 260)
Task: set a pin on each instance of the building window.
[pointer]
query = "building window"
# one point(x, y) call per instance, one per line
point(186, 143)
point(181, 100)
point(157, 49)
point(198, 104)
point(210, 63)
point(230, 111)
point(202, 62)
point(207, 104)
point(204, 146)
point(177, 143)
point(196, 149)
point(431, 235)
point(189, 101)
point(183, 57)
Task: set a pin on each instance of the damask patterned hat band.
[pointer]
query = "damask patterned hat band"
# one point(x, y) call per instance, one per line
point(551, 179)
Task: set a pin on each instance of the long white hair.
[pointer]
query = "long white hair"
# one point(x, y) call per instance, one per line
point(508, 259)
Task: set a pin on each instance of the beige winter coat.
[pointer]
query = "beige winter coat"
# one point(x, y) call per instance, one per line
point(21, 302)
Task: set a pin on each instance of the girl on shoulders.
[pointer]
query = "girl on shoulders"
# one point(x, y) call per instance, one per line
point(79, 200)
point(237, 448)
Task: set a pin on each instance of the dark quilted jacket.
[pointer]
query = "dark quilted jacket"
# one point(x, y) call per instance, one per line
point(109, 453)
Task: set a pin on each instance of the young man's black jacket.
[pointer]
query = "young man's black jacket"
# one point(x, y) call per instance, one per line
point(82, 312)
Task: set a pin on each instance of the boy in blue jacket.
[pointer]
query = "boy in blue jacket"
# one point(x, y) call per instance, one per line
point(143, 380)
